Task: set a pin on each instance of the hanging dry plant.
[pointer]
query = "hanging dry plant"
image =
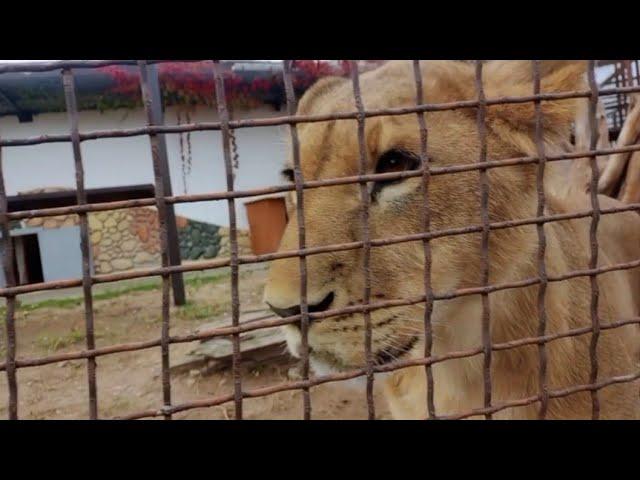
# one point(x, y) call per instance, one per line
point(185, 149)
point(234, 145)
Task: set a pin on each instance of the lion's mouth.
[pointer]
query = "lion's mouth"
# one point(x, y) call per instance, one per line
point(325, 362)
point(392, 354)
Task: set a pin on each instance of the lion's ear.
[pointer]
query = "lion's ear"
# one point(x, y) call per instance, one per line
point(318, 90)
point(514, 78)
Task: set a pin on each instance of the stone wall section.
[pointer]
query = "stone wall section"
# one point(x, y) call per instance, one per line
point(130, 238)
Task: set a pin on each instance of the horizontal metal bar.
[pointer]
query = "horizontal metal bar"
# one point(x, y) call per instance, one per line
point(397, 365)
point(366, 307)
point(214, 196)
point(262, 324)
point(565, 392)
point(296, 119)
point(250, 259)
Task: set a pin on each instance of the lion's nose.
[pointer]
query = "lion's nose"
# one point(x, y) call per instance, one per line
point(295, 310)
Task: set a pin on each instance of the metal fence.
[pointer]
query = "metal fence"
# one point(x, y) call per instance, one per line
point(226, 125)
point(625, 73)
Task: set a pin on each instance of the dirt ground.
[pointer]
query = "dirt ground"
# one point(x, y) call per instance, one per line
point(130, 382)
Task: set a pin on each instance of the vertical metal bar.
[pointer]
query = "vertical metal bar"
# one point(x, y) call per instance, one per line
point(366, 240)
point(618, 106)
point(298, 178)
point(542, 246)
point(626, 81)
point(164, 240)
point(426, 222)
point(81, 196)
point(593, 234)
point(484, 206)
point(10, 319)
point(223, 113)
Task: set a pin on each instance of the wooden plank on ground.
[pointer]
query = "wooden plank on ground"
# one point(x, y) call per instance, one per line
point(256, 346)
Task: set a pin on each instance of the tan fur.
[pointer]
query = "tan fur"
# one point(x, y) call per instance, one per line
point(332, 215)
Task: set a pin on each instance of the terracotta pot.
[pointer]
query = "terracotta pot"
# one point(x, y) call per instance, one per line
point(267, 220)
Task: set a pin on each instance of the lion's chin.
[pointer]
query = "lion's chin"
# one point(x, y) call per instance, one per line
point(323, 365)
point(323, 368)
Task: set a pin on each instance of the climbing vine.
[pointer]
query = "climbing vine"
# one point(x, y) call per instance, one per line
point(185, 149)
point(188, 85)
point(185, 84)
point(192, 84)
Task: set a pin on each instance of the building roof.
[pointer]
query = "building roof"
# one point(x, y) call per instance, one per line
point(53, 198)
point(25, 94)
point(249, 83)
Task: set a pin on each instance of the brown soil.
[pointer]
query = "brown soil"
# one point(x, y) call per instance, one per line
point(131, 382)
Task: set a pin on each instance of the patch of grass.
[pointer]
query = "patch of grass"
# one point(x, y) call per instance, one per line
point(198, 311)
point(195, 282)
point(51, 303)
point(115, 293)
point(199, 281)
point(152, 319)
point(53, 343)
point(71, 302)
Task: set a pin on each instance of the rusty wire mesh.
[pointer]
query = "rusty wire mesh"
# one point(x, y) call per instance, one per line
point(224, 124)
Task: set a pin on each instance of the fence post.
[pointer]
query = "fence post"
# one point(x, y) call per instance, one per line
point(177, 280)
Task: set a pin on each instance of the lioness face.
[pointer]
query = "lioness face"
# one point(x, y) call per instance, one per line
point(333, 214)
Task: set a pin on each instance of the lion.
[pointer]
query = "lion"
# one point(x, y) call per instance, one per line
point(330, 149)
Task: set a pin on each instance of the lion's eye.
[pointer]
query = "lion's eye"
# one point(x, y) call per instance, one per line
point(394, 161)
point(287, 174)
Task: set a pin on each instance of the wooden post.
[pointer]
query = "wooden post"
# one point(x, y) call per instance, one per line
point(177, 280)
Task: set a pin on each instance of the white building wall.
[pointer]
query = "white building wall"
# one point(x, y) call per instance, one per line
point(127, 161)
